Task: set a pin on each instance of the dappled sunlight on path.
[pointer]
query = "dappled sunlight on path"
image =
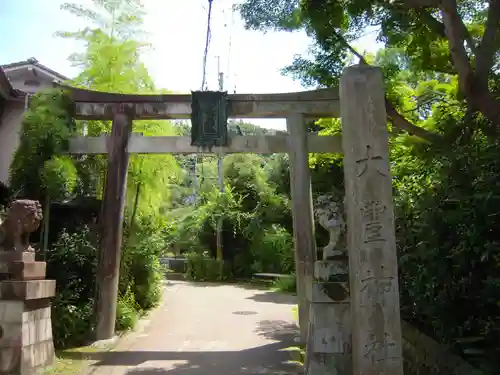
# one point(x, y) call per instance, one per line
point(209, 329)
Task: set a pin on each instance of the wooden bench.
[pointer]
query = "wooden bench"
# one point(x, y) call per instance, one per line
point(270, 276)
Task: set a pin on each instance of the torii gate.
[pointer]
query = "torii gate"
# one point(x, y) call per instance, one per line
point(351, 323)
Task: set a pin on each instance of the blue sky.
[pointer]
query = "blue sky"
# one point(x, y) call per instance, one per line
point(176, 29)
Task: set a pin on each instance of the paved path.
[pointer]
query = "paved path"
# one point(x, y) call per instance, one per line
point(209, 329)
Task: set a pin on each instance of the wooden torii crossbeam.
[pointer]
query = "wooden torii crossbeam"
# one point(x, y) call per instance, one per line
point(93, 105)
point(266, 144)
point(90, 105)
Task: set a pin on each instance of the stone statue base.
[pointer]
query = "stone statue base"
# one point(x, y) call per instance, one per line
point(26, 344)
point(329, 347)
point(21, 266)
point(333, 254)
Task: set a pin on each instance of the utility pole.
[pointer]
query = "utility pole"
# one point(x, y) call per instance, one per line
point(220, 157)
point(195, 176)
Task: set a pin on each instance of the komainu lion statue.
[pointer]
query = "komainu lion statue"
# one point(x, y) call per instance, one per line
point(329, 213)
point(23, 218)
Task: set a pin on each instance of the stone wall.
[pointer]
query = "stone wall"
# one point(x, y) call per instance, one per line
point(425, 356)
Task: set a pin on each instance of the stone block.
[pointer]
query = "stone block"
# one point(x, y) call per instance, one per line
point(28, 270)
point(11, 311)
point(38, 354)
point(331, 328)
point(45, 354)
point(26, 345)
point(13, 256)
point(327, 292)
point(11, 333)
point(7, 258)
point(37, 331)
point(38, 313)
point(329, 364)
point(10, 360)
point(27, 290)
point(331, 270)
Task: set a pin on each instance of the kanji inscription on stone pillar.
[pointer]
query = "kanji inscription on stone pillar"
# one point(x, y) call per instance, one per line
point(376, 325)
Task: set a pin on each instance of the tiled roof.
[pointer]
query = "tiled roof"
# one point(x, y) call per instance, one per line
point(34, 62)
point(6, 87)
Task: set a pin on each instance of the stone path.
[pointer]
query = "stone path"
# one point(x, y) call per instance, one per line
point(209, 329)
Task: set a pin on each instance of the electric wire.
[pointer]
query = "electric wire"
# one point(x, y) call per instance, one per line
point(207, 44)
point(199, 155)
point(229, 52)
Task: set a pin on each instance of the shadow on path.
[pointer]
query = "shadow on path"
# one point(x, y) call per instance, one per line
point(274, 297)
point(242, 284)
point(265, 359)
point(263, 294)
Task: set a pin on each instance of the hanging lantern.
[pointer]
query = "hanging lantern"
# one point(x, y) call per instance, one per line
point(209, 112)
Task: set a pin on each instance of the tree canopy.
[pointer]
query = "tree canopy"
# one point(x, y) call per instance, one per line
point(111, 62)
point(448, 42)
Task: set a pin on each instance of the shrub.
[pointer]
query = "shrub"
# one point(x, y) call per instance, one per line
point(147, 273)
point(287, 284)
point(447, 212)
point(141, 271)
point(200, 267)
point(72, 323)
point(126, 312)
point(72, 263)
point(273, 251)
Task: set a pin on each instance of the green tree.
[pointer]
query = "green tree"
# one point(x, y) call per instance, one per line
point(150, 176)
point(119, 19)
point(111, 62)
point(245, 128)
point(45, 130)
point(439, 38)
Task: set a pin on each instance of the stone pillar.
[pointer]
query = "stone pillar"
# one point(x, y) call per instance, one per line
point(329, 351)
point(373, 267)
point(302, 214)
point(26, 345)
